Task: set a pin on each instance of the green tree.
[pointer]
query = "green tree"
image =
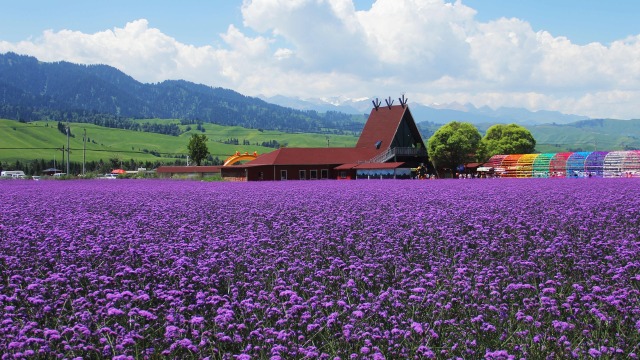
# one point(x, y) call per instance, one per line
point(453, 144)
point(197, 147)
point(506, 139)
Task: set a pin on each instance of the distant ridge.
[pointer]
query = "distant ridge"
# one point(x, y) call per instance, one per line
point(34, 90)
point(440, 114)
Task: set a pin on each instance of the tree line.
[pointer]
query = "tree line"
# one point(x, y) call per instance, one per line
point(235, 141)
point(36, 167)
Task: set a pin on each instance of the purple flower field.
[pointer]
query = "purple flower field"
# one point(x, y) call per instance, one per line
point(495, 269)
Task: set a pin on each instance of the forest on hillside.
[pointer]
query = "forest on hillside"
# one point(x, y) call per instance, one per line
point(102, 95)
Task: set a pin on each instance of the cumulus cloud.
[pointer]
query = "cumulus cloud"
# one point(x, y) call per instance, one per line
point(432, 50)
point(143, 52)
point(326, 35)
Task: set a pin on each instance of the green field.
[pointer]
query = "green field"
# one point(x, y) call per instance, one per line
point(609, 136)
point(42, 140)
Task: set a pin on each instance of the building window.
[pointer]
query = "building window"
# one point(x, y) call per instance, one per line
point(324, 173)
point(260, 175)
point(313, 174)
point(283, 174)
point(343, 174)
point(302, 174)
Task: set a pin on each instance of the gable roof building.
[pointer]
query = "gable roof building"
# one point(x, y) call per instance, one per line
point(390, 136)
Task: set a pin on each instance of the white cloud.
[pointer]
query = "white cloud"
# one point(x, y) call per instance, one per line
point(504, 53)
point(432, 50)
point(282, 54)
point(325, 34)
point(426, 38)
point(145, 53)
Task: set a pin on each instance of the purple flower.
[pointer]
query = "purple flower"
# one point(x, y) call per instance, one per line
point(301, 269)
point(417, 327)
point(562, 326)
point(196, 320)
point(594, 352)
point(548, 291)
point(498, 355)
point(147, 315)
point(172, 331)
point(114, 312)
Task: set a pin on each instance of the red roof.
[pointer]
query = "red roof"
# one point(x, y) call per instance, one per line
point(472, 165)
point(313, 156)
point(188, 169)
point(370, 166)
point(345, 166)
point(381, 126)
point(375, 166)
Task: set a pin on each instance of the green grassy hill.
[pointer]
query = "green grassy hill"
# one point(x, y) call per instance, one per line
point(43, 140)
point(588, 135)
point(584, 135)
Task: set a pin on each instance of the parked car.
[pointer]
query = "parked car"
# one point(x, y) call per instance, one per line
point(15, 174)
point(108, 176)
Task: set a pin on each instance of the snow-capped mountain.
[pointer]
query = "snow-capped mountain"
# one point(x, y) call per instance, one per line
point(435, 113)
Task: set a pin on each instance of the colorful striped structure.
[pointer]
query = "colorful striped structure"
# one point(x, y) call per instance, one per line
point(496, 163)
point(525, 165)
point(613, 164)
point(510, 165)
point(568, 164)
point(558, 164)
point(594, 163)
point(541, 165)
point(631, 162)
point(575, 164)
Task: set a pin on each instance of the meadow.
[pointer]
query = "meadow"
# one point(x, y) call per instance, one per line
point(40, 139)
point(495, 269)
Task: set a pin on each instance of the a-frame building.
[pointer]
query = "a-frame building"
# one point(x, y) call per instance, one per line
point(392, 130)
point(389, 146)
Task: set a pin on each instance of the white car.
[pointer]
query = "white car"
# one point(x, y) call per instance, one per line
point(109, 176)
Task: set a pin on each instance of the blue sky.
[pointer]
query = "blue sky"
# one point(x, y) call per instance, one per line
point(200, 22)
point(579, 57)
point(582, 21)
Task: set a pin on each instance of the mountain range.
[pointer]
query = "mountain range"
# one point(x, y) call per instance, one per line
point(553, 131)
point(103, 95)
point(439, 114)
point(100, 94)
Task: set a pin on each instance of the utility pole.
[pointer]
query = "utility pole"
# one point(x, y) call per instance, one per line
point(84, 150)
point(68, 153)
point(62, 154)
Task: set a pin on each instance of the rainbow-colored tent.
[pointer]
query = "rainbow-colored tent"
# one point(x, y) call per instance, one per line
point(568, 164)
